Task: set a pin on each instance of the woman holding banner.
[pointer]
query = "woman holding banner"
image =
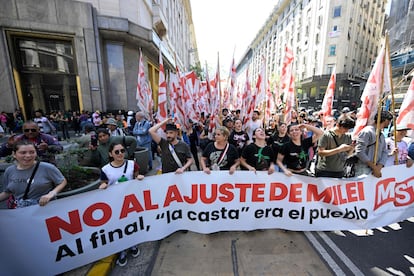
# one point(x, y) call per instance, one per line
point(293, 157)
point(119, 170)
point(220, 155)
point(29, 181)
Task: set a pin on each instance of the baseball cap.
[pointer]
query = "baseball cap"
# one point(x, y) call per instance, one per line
point(172, 127)
point(111, 121)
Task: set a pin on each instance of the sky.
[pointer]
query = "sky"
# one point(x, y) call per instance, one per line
point(227, 27)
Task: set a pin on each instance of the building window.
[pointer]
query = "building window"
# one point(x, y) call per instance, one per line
point(335, 28)
point(332, 50)
point(337, 11)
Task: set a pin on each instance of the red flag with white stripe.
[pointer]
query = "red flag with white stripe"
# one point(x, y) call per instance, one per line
point(250, 101)
point(176, 99)
point(406, 114)
point(270, 102)
point(162, 93)
point(287, 83)
point(144, 93)
point(373, 92)
point(261, 85)
point(327, 103)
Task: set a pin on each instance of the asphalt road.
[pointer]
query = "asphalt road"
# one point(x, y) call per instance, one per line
point(382, 251)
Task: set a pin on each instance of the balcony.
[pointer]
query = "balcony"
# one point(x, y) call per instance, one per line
point(159, 21)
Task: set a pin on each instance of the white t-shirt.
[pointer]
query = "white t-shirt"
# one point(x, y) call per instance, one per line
point(112, 174)
point(251, 126)
point(402, 151)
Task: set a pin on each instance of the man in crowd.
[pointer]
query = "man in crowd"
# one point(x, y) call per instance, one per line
point(46, 145)
point(253, 124)
point(99, 153)
point(365, 147)
point(43, 123)
point(113, 128)
point(175, 154)
point(334, 147)
point(401, 151)
point(140, 131)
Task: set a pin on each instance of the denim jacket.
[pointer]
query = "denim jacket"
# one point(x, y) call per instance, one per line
point(141, 132)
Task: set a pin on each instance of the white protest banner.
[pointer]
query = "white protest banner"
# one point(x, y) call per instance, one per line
point(74, 231)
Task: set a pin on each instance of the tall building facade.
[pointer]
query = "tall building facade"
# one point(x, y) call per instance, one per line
point(83, 55)
point(323, 35)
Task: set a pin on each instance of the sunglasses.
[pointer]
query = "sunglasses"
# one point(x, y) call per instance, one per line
point(119, 151)
point(30, 129)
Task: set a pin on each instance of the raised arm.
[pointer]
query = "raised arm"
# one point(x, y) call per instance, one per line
point(153, 131)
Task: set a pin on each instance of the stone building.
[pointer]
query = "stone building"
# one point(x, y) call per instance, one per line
point(83, 55)
point(323, 35)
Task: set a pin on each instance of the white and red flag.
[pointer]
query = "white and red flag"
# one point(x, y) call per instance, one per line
point(373, 91)
point(232, 88)
point(249, 97)
point(177, 110)
point(162, 93)
point(270, 102)
point(288, 85)
point(261, 85)
point(327, 103)
point(144, 93)
point(406, 114)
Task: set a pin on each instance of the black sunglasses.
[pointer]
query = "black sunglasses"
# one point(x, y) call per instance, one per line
point(30, 129)
point(119, 151)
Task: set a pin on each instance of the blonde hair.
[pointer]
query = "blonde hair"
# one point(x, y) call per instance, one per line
point(224, 131)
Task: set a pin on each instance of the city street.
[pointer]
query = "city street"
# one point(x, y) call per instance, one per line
point(382, 251)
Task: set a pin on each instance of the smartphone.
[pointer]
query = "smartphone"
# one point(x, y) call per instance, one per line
point(94, 141)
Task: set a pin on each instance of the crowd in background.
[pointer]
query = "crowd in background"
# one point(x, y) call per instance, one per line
point(310, 145)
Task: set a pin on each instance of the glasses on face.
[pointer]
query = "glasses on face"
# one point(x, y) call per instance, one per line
point(30, 129)
point(119, 151)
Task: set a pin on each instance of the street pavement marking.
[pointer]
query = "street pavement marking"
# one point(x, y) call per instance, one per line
point(234, 258)
point(354, 269)
point(325, 255)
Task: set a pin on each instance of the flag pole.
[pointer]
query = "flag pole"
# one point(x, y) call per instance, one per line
point(378, 130)
point(387, 43)
point(219, 90)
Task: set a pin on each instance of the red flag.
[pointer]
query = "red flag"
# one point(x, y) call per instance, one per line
point(232, 89)
point(250, 101)
point(261, 84)
point(372, 92)
point(287, 82)
point(162, 93)
point(327, 102)
point(144, 93)
point(270, 102)
point(406, 114)
point(176, 99)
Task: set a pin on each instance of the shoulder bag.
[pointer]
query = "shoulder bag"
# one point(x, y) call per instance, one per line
point(13, 203)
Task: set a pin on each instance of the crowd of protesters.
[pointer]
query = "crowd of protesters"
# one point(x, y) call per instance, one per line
point(306, 146)
point(310, 145)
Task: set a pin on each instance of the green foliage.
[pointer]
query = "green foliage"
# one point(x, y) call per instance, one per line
point(198, 70)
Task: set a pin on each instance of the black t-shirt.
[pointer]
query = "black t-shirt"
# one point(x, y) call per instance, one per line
point(213, 155)
point(296, 157)
point(168, 162)
point(239, 140)
point(259, 161)
point(278, 142)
